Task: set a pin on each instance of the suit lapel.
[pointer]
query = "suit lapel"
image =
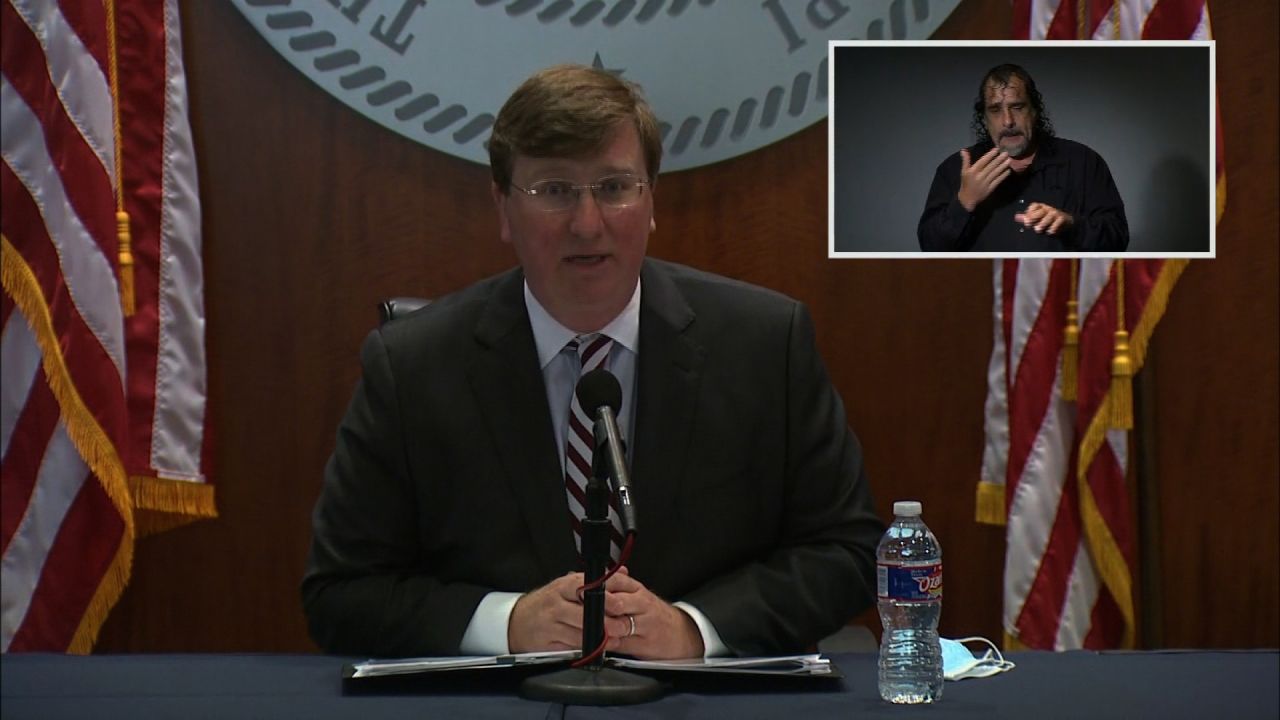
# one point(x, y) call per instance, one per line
point(508, 385)
point(670, 367)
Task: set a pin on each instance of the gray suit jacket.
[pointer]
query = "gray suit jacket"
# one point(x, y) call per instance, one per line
point(445, 482)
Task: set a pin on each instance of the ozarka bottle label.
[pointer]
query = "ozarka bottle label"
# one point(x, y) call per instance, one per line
point(909, 583)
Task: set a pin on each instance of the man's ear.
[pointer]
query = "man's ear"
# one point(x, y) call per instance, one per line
point(500, 205)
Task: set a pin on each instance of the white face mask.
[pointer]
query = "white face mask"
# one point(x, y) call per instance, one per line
point(958, 663)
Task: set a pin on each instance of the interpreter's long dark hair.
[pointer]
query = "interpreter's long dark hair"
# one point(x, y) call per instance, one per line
point(1000, 75)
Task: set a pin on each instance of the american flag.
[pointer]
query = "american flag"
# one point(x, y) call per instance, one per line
point(1120, 20)
point(1110, 20)
point(1054, 467)
point(1069, 335)
point(102, 396)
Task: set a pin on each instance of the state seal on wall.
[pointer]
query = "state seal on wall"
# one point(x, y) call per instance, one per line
point(724, 76)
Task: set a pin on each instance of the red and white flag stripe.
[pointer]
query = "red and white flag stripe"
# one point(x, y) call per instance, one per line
point(1111, 20)
point(1053, 597)
point(165, 337)
point(1053, 469)
point(1121, 20)
point(74, 369)
point(65, 519)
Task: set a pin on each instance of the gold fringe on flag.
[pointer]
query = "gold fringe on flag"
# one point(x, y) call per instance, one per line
point(90, 440)
point(1220, 161)
point(164, 503)
point(1222, 195)
point(989, 507)
point(1121, 363)
point(1013, 644)
point(1110, 562)
point(1071, 339)
point(104, 598)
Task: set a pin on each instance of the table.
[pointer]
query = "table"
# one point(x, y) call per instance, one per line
point(1081, 684)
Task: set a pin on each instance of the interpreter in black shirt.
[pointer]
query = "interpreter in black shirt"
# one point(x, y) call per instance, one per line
point(1021, 189)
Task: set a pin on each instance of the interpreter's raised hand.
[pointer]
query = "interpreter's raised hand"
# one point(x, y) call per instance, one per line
point(1044, 218)
point(979, 178)
point(644, 625)
point(549, 618)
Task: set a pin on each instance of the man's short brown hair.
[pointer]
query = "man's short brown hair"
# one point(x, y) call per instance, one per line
point(567, 111)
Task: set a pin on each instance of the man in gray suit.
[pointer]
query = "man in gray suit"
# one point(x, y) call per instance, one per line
point(446, 522)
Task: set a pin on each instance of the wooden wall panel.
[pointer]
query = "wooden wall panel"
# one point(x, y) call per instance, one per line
point(313, 214)
point(1214, 364)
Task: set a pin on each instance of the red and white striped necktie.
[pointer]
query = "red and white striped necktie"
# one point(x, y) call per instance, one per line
point(592, 352)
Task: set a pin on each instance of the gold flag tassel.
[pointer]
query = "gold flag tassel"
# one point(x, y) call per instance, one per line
point(1121, 363)
point(126, 262)
point(125, 239)
point(1071, 339)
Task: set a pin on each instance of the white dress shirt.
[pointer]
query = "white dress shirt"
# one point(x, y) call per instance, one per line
point(486, 634)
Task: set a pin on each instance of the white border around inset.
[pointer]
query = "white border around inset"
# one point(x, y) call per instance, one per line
point(1211, 45)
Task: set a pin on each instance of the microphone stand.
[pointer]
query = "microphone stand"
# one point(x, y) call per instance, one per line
point(594, 684)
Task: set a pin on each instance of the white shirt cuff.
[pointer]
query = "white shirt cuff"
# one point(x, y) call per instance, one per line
point(712, 645)
point(487, 632)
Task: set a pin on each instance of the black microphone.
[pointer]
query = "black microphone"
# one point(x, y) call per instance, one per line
point(600, 396)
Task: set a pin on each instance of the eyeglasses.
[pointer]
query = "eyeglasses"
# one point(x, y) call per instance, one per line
point(614, 192)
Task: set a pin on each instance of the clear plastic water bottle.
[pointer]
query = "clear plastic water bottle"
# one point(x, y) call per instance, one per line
point(909, 591)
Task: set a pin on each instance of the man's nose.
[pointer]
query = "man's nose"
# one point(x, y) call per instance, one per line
point(1008, 117)
point(587, 219)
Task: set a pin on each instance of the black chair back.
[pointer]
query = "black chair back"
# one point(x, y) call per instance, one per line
point(399, 307)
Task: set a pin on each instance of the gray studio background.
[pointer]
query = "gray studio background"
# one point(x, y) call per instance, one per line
point(898, 112)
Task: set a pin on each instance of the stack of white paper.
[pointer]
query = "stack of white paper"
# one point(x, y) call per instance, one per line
point(780, 665)
point(375, 668)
